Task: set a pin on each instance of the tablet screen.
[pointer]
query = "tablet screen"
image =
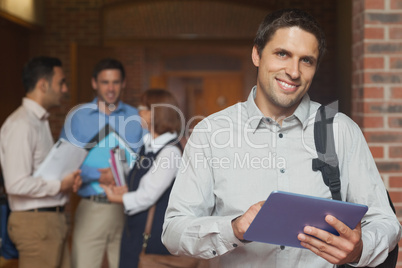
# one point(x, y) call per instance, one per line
point(284, 215)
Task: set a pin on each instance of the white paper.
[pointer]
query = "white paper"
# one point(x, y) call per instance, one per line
point(119, 165)
point(125, 149)
point(114, 172)
point(63, 158)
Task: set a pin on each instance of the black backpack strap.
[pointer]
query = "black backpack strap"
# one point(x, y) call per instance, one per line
point(327, 161)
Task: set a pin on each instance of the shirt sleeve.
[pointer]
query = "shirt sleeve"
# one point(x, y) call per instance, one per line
point(74, 130)
point(190, 228)
point(155, 182)
point(17, 164)
point(381, 229)
point(76, 127)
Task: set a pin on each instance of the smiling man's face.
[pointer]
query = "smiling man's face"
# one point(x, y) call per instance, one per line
point(286, 68)
point(109, 84)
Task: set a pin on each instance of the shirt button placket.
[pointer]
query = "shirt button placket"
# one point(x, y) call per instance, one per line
point(283, 182)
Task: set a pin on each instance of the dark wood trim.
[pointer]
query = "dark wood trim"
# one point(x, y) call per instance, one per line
point(19, 21)
point(177, 41)
point(73, 74)
point(102, 23)
point(201, 73)
point(267, 4)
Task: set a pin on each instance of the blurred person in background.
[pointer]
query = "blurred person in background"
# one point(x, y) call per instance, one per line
point(98, 222)
point(150, 181)
point(37, 225)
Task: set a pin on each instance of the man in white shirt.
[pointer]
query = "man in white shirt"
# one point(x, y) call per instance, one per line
point(235, 158)
point(37, 224)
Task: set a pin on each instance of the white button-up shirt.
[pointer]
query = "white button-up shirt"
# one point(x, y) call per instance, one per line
point(236, 158)
point(158, 178)
point(25, 140)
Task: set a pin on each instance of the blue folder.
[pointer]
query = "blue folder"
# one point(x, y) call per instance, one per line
point(284, 215)
point(98, 157)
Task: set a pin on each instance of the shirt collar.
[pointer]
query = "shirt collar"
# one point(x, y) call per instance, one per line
point(254, 114)
point(120, 106)
point(302, 111)
point(35, 108)
point(154, 145)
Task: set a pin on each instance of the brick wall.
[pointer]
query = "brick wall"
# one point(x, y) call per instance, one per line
point(78, 21)
point(133, 59)
point(67, 21)
point(377, 86)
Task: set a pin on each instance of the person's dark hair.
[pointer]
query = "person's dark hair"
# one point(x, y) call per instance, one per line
point(106, 64)
point(286, 18)
point(38, 68)
point(165, 118)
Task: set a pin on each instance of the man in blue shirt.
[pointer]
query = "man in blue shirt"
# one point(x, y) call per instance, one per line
point(98, 223)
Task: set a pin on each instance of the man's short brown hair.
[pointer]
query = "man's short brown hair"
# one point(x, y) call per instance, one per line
point(286, 18)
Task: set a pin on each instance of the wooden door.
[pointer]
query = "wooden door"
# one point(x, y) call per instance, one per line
point(14, 54)
point(158, 82)
point(218, 92)
point(202, 95)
